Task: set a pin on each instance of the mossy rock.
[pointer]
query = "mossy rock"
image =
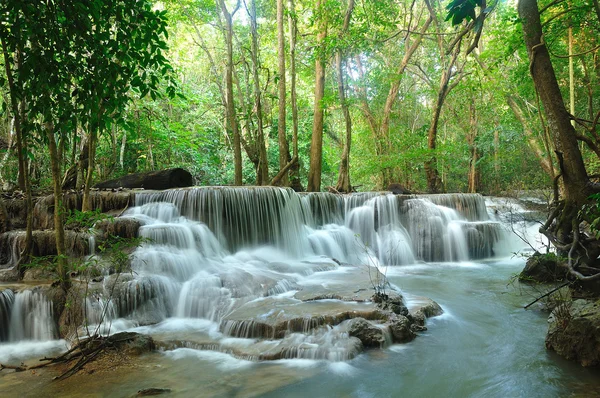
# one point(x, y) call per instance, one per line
point(544, 268)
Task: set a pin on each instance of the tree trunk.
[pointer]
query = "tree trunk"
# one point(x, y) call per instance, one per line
point(86, 202)
point(343, 183)
point(295, 169)
point(82, 162)
point(473, 177)
point(18, 111)
point(263, 165)
point(316, 146)
point(434, 182)
point(284, 151)
point(122, 152)
point(160, 179)
point(232, 126)
point(575, 181)
point(61, 260)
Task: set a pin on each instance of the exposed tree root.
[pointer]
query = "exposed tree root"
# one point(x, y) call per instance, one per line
point(79, 355)
point(564, 230)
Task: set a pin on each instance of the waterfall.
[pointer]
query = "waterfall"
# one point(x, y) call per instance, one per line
point(7, 299)
point(235, 258)
point(30, 315)
point(12, 243)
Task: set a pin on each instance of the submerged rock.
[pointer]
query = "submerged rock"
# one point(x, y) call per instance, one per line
point(146, 392)
point(574, 331)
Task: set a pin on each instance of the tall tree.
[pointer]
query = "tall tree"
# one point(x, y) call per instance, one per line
point(316, 146)
point(17, 111)
point(284, 151)
point(343, 183)
point(292, 31)
point(263, 165)
point(78, 68)
point(450, 71)
point(232, 125)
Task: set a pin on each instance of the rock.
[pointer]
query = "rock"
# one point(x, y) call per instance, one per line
point(9, 275)
point(427, 309)
point(574, 331)
point(543, 268)
point(146, 392)
point(401, 328)
point(123, 227)
point(133, 343)
point(392, 302)
point(274, 318)
point(4, 218)
point(105, 202)
point(398, 189)
point(39, 274)
point(369, 334)
point(17, 212)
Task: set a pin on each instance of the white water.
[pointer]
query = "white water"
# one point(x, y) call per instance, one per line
point(220, 263)
point(210, 251)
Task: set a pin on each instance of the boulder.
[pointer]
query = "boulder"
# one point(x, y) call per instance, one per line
point(105, 201)
point(122, 227)
point(16, 210)
point(4, 218)
point(574, 331)
point(132, 343)
point(544, 268)
point(427, 309)
point(369, 334)
point(398, 189)
point(401, 329)
point(392, 302)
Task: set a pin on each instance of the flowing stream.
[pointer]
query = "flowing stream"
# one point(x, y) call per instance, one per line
point(244, 289)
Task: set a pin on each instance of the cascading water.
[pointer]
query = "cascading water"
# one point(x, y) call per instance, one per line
point(26, 315)
point(236, 259)
point(233, 275)
point(234, 256)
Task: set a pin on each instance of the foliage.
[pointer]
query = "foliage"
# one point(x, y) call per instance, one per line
point(85, 220)
point(116, 51)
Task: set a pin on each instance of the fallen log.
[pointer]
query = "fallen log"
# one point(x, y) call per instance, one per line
point(160, 179)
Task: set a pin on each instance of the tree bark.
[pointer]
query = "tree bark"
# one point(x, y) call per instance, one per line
point(17, 108)
point(316, 146)
point(232, 126)
point(284, 151)
point(343, 183)
point(575, 181)
point(160, 179)
point(434, 182)
point(295, 169)
point(263, 165)
point(473, 176)
point(61, 260)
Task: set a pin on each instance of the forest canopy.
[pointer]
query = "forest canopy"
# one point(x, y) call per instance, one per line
point(351, 95)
